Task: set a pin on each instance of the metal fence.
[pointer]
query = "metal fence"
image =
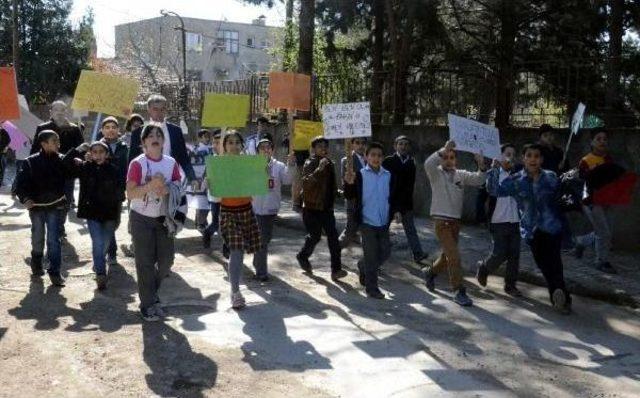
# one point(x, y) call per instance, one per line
point(431, 94)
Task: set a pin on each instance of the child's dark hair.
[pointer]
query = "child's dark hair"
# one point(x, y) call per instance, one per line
point(203, 132)
point(374, 145)
point(232, 133)
point(504, 147)
point(46, 135)
point(545, 128)
point(148, 129)
point(109, 119)
point(262, 119)
point(359, 138)
point(134, 117)
point(217, 133)
point(319, 139)
point(597, 131)
point(532, 147)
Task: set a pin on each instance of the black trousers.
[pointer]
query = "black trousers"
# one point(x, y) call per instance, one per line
point(316, 221)
point(546, 248)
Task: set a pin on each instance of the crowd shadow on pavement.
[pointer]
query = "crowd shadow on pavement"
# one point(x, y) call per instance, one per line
point(176, 370)
point(44, 306)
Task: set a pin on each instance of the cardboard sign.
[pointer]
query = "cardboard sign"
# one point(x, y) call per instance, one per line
point(9, 108)
point(576, 121)
point(474, 137)
point(289, 91)
point(347, 120)
point(304, 131)
point(105, 93)
point(225, 110)
point(232, 176)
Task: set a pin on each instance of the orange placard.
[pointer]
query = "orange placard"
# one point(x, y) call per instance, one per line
point(290, 91)
point(9, 108)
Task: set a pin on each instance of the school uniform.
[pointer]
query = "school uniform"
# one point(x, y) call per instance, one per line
point(154, 248)
point(197, 197)
point(371, 194)
point(266, 208)
point(119, 157)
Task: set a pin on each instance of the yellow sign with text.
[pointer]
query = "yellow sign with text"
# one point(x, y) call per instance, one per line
point(102, 92)
point(304, 132)
point(225, 110)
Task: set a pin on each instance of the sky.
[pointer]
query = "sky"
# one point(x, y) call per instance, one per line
point(109, 13)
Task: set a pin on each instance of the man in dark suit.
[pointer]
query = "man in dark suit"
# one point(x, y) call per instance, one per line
point(174, 144)
point(70, 137)
point(403, 171)
point(358, 162)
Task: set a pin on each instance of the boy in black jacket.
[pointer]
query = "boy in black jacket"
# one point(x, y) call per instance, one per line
point(101, 196)
point(41, 188)
point(403, 169)
point(370, 189)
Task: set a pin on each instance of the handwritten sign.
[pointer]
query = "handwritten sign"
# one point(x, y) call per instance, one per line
point(474, 137)
point(289, 91)
point(9, 109)
point(233, 176)
point(225, 110)
point(347, 120)
point(304, 131)
point(102, 92)
point(576, 121)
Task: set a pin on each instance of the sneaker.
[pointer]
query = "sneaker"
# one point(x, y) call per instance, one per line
point(512, 291)
point(304, 263)
point(237, 301)
point(606, 268)
point(482, 274)
point(429, 279)
point(578, 251)
point(56, 280)
point(101, 281)
point(462, 299)
point(36, 267)
point(262, 278)
point(206, 240)
point(419, 258)
point(339, 274)
point(559, 300)
point(376, 294)
point(157, 309)
point(149, 315)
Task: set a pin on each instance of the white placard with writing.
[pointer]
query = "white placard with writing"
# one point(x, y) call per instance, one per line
point(576, 121)
point(346, 120)
point(474, 137)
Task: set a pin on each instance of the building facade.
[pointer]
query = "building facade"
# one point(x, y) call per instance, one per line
point(215, 50)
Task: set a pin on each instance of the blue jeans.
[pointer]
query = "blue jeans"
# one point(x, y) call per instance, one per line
point(47, 222)
point(266, 231)
point(101, 234)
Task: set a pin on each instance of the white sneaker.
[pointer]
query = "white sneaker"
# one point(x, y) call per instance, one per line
point(237, 301)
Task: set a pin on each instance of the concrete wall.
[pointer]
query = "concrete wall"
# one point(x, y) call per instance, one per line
point(625, 148)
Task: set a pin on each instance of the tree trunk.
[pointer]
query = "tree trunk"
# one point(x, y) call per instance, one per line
point(377, 79)
point(506, 75)
point(305, 51)
point(616, 32)
point(288, 63)
point(400, 45)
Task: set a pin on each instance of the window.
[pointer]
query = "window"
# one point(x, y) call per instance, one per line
point(250, 42)
point(265, 43)
point(229, 40)
point(194, 42)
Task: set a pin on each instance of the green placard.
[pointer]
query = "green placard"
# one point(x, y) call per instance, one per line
point(232, 176)
point(225, 110)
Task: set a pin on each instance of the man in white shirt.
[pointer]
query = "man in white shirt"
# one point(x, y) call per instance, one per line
point(504, 225)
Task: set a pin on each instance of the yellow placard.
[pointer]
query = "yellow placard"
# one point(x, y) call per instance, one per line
point(102, 92)
point(225, 110)
point(304, 131)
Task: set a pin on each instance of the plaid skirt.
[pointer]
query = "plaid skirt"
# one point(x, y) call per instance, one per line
point(240, 230)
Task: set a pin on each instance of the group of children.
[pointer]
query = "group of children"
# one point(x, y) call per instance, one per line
point(523, 204)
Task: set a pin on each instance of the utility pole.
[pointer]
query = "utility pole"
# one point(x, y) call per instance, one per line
point(183, 91)
point(16, 56)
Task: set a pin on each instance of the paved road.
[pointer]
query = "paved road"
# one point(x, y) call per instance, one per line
point(301, 336)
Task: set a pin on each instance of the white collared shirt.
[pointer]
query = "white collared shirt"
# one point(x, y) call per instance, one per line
point(506, 207)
